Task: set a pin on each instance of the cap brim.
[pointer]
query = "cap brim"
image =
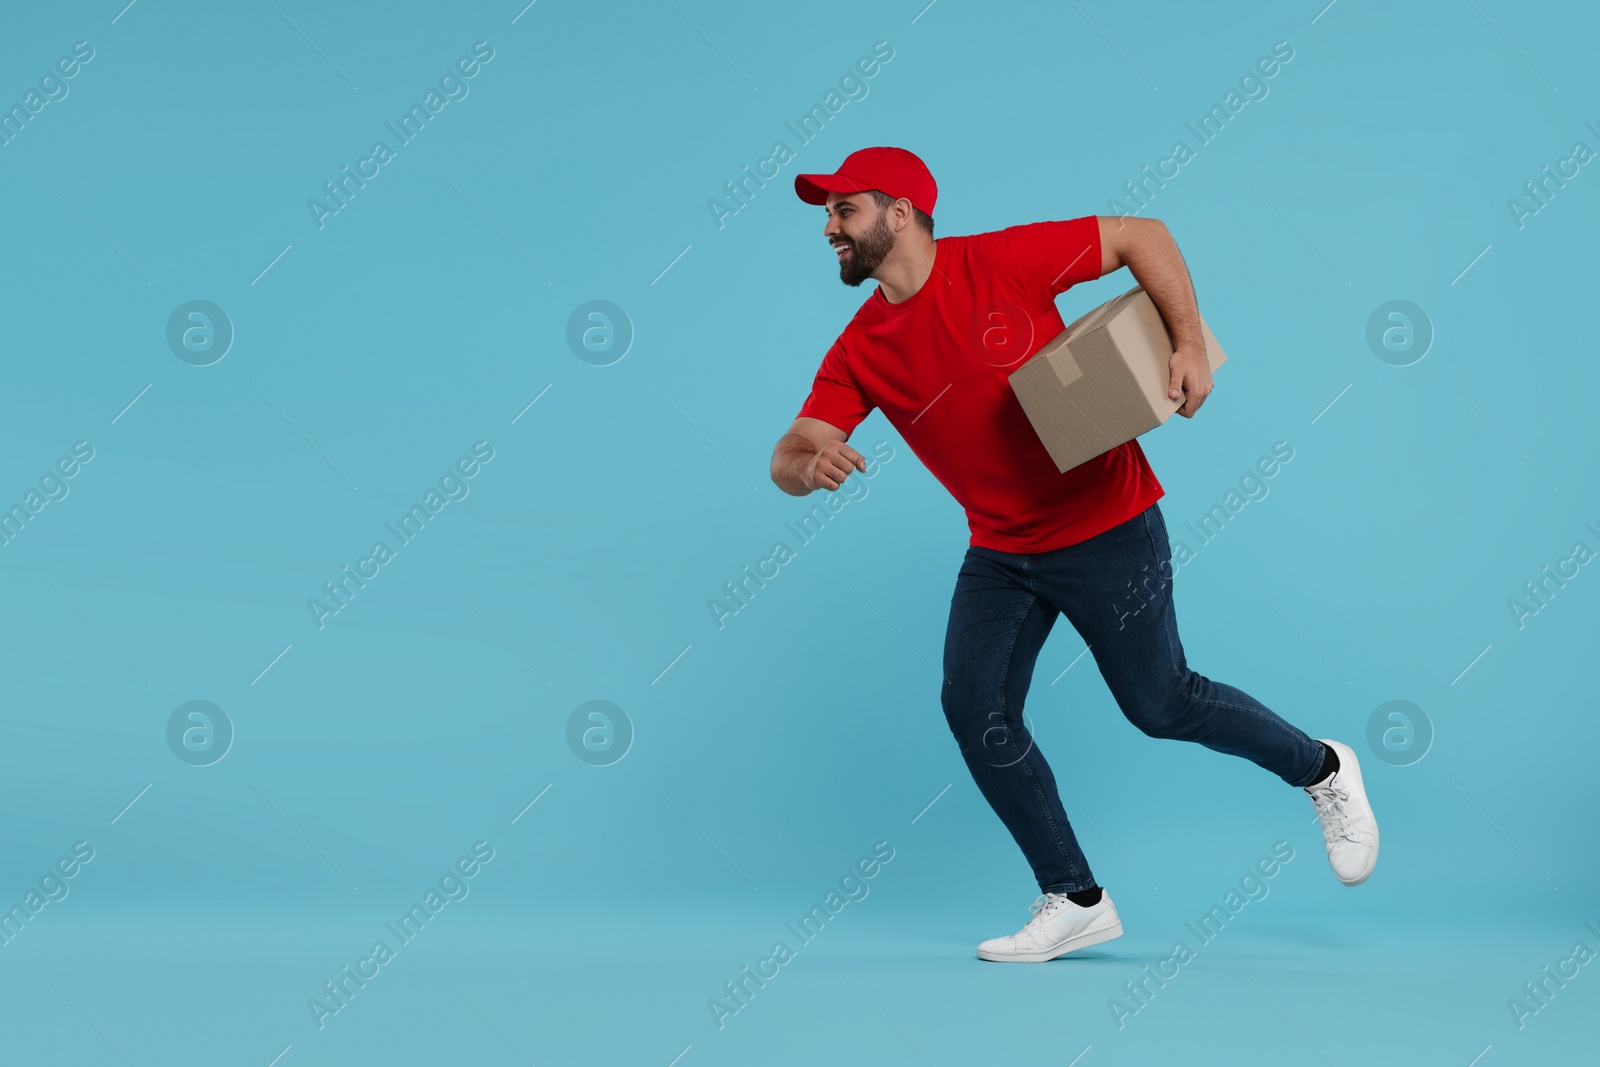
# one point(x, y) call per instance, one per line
point(814, 188)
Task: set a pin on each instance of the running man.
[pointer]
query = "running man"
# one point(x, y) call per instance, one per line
point(933, 347)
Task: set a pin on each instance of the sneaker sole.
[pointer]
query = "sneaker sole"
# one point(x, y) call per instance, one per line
point(1071, 944)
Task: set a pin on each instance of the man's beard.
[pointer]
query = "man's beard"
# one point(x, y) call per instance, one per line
point(866, 253)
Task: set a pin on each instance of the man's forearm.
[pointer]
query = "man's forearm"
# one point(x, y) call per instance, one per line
point(1157, 265)
point(789, 461)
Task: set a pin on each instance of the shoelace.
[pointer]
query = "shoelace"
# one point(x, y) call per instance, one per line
point(1330, 801)
point(1042, 907)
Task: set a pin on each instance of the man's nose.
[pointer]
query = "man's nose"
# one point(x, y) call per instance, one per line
point(832, 227)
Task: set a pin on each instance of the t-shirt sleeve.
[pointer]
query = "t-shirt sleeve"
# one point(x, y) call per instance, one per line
point(836, 397)
point(1049, 258)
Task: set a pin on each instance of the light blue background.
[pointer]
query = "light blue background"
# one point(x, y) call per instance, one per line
point(770, 754)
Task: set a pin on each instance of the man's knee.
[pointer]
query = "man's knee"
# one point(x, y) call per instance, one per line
point(959, 699)
point(970, 708)
point(1162, 710)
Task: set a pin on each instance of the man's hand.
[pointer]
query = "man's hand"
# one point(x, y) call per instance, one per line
point(1190, 378)
point(832, 464)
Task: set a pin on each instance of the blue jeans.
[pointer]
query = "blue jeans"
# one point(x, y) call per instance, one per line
point(1116, 590)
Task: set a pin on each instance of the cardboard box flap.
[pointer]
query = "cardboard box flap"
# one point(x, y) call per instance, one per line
point(1095, 317)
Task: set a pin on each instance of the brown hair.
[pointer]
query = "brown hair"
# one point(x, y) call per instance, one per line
point(883, 201)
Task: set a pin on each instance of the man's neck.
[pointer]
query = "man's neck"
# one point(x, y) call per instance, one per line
point(906, 269)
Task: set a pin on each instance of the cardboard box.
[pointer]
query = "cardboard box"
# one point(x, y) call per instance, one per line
point(1103, 380)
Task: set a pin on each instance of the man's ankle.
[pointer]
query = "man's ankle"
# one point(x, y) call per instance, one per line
point(1330, 764)
point(1085, 898)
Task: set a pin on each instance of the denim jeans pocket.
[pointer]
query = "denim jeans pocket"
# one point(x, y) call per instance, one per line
point(1155, 526)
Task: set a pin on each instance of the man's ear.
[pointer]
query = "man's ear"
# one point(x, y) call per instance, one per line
point(904, 214)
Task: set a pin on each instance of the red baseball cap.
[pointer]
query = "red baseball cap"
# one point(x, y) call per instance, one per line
point(892, 171)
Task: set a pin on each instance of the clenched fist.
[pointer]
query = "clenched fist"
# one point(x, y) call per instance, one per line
point(829, 468)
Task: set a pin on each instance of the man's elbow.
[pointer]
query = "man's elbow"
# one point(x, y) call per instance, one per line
point(772, 472)
point(1126, 243)
point(781, 468)
point(1159, 234)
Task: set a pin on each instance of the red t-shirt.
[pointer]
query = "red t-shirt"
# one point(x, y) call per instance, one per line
point(937, 364)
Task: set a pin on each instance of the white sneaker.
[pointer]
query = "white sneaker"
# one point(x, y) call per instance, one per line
point(1348, 826)
point(1058, 927)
